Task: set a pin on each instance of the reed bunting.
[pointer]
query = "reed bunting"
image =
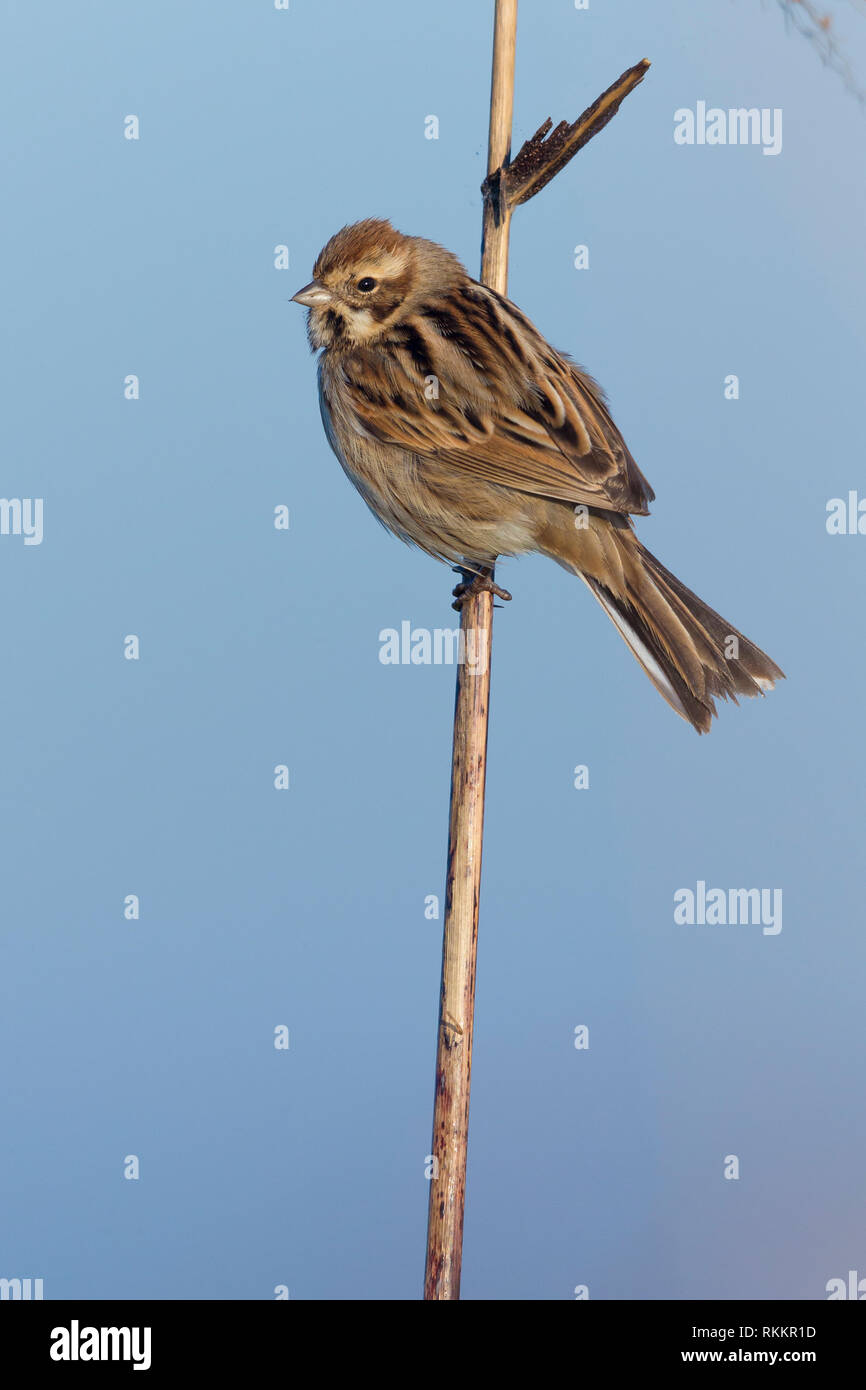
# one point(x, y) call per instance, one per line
point(468, 435)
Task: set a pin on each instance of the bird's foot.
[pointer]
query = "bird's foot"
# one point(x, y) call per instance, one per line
point(476, 583)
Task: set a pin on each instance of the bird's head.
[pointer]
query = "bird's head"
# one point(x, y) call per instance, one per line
point(370, 277)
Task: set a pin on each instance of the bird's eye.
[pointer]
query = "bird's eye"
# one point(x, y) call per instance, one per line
point(367, 284)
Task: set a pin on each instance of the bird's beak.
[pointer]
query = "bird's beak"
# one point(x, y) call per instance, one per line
point(312, 296)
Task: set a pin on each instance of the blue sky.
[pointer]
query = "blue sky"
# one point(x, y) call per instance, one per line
point(305, 908)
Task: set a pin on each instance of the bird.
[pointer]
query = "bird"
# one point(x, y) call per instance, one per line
point(467, 434)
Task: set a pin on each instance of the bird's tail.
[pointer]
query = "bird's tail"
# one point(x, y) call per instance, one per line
point(691, 655)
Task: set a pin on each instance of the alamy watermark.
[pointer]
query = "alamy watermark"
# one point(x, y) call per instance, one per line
point(438, 646)
point(22, 516)
point(77, 1343)
point(740, 125)
point(853, 1287)
point(721, 907)
point(23, 1289)
point(846, 516)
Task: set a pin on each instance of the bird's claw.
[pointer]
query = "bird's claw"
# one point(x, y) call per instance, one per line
point(478, 584)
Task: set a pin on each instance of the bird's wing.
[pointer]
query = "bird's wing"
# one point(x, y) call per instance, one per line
point(470, 380)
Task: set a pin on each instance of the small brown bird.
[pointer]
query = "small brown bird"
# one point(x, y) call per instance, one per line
point(468, 435)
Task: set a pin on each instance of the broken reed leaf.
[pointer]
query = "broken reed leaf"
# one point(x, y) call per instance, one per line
point(541, 157)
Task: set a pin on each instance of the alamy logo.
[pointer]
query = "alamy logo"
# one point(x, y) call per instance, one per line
point(21, 1288)
point(846, 520)
point(22, 516)
point(720, 907)
point(854, 1287)
point(439, 646)
point(738, 125)
point(75, 1343)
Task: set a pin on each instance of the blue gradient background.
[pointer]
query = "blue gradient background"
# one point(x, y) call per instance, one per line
point(260, 647)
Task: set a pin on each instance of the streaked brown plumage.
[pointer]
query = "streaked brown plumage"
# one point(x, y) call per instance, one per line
point(468, 435)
